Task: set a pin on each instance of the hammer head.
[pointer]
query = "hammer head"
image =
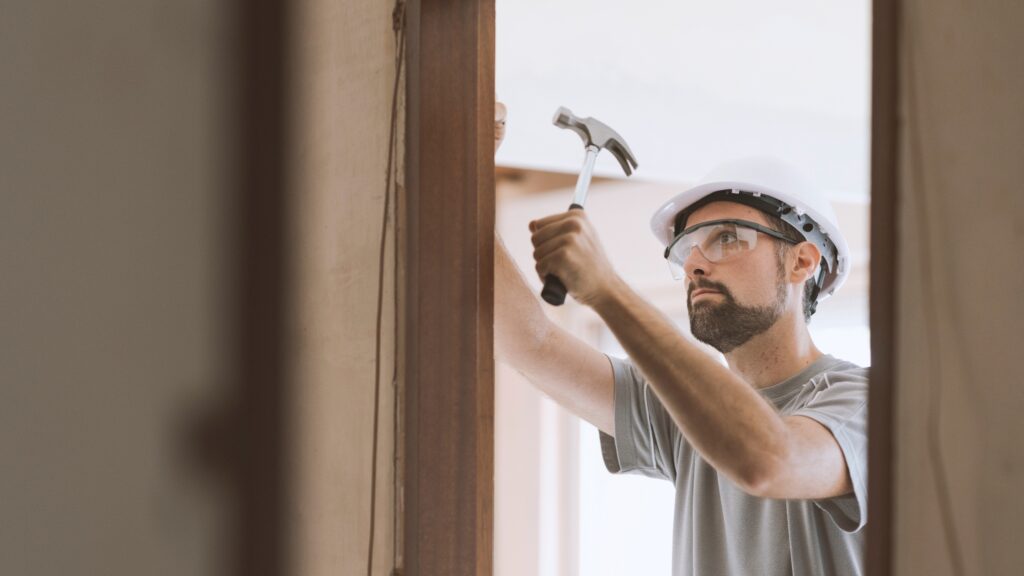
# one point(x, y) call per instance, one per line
point(597, 133)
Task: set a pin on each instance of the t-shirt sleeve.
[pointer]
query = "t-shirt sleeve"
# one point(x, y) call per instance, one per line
point(840, 403)
point(645, 435)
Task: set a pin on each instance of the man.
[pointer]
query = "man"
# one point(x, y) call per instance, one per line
point(768, 455)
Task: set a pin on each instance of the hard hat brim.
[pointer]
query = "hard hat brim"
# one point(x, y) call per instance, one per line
point(821, 212)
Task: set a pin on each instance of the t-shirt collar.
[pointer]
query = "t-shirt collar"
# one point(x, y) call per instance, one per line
point(779, 392)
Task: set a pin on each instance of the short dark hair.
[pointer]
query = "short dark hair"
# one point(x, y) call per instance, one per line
point(777, 224)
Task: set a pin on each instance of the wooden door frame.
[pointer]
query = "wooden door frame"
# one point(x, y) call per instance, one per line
point(449, 376)
point(884, 215)
point(448, 444)
point(248, 438)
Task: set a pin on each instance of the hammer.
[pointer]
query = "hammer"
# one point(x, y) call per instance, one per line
point(596, 135)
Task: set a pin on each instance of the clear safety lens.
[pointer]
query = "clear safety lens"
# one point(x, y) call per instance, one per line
point(717, 242)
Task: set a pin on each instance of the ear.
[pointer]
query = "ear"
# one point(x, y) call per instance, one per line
point(805, 258)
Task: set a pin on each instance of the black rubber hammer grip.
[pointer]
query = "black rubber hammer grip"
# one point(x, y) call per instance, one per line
point(554, 291)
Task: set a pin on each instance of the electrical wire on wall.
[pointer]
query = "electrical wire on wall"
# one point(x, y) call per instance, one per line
point(398, 26)
point(931, 310)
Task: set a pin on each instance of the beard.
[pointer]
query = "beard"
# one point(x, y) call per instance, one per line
point(727, 325)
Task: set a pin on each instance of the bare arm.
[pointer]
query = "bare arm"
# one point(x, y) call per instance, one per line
point(571, 372)
point(562, 366)
point(722, 416)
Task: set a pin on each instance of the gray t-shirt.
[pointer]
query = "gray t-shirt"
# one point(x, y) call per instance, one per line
point(719, 530)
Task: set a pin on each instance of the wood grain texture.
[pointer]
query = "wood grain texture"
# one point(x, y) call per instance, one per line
point(448, 442)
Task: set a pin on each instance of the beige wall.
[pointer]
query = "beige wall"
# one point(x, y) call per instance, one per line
point(959, 398)
point(343, 70)
point(116, 280)
point(113, 284)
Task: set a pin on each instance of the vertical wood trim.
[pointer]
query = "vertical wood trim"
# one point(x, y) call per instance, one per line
point(257, 417)
point(449, 374)
point(884, 171)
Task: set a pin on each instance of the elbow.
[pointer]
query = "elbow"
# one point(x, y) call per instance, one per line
point(763, 478)
point(755, 483)
point(766, 469)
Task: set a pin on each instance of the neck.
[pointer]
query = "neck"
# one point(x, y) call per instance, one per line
point(780, 352)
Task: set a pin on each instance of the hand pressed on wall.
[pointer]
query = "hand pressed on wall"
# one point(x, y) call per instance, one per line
point(499, 124)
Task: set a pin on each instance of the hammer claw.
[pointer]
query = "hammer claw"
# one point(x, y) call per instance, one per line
point(624, 156)
point(597, 133)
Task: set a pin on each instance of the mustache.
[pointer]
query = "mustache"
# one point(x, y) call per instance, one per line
point(708, 285)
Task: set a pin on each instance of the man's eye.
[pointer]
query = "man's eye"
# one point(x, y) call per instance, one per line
point(726, 238)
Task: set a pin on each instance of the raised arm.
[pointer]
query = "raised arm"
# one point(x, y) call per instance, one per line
point(724, 418)
point(571, 372)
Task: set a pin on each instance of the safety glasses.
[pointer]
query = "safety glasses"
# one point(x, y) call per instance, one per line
point(717, 240)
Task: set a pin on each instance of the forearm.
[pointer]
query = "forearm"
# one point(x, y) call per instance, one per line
point(562, 366)
point(520, 325)
point(722, 416)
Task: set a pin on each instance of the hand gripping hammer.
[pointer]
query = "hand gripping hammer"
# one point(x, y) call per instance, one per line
point(596, 135)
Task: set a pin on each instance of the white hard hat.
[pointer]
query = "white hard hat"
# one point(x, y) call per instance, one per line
point(776, 188)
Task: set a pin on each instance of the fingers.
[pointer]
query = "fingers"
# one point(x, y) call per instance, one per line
point(550, 226)
point(543, 266)
point(500, 112)
point(569, 228)
point(548, 247)
point(552, 236)
point(546, 221)
point(499, 136)
point(555, 259)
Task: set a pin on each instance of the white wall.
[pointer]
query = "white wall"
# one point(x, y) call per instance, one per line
point(690, 83)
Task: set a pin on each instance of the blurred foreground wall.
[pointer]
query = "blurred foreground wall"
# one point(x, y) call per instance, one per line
point(960, 301)
point(192, 195)
point(116, 285)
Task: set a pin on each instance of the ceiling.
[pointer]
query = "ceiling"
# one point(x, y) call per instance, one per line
point(690, 84)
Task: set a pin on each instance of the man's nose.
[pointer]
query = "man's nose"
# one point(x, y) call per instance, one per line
point(696, 264)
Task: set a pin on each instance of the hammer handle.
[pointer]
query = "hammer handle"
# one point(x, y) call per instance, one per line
point(554, 291)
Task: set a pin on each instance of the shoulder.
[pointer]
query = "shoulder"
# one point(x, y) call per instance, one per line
point(840, 372)
point(840, 389)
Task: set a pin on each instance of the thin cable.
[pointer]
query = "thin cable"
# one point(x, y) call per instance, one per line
point(925, 261)
point(398, 25)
